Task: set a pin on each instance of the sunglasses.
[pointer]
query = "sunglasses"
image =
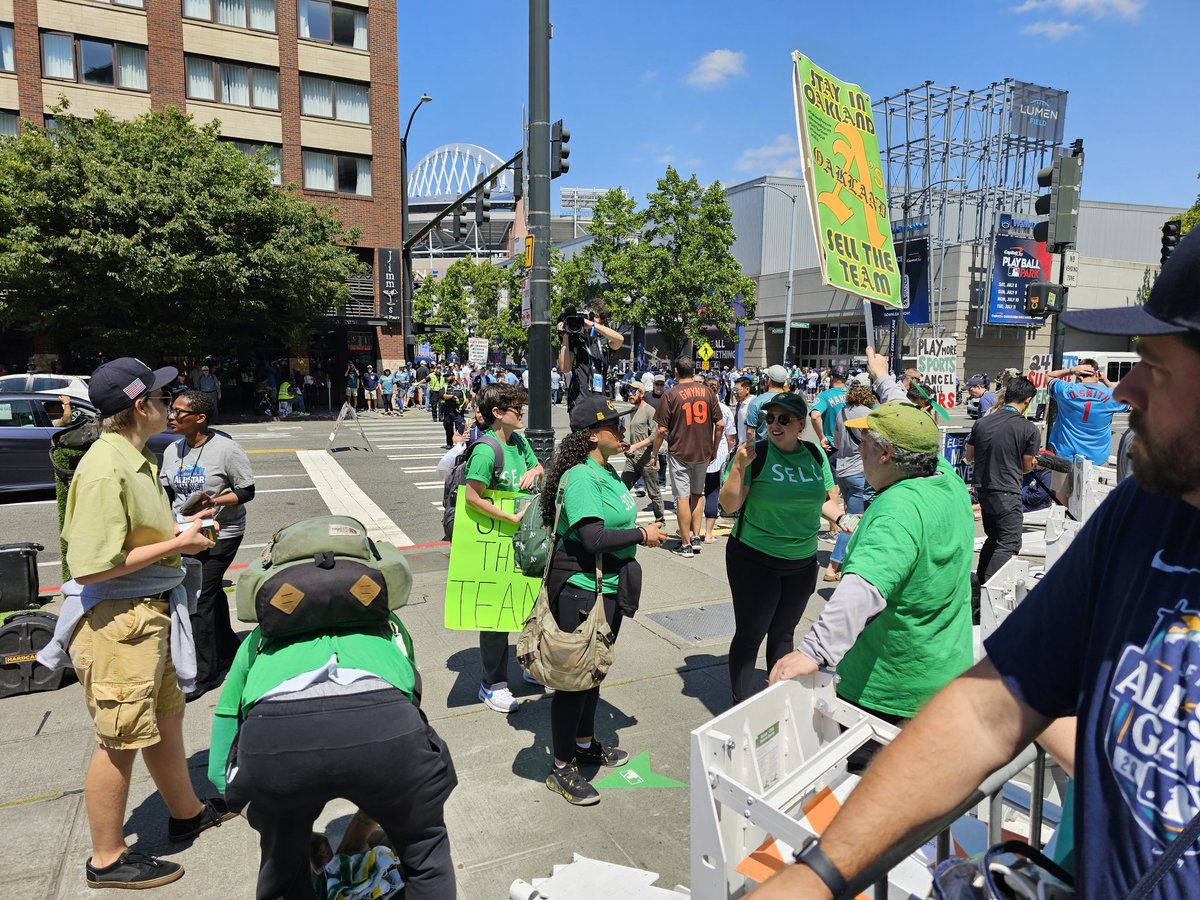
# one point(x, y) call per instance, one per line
point(176, 411)
point(783, 419)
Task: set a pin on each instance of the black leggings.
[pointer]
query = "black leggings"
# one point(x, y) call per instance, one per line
point(573, 713)
point(375, 750)
point(769, 597)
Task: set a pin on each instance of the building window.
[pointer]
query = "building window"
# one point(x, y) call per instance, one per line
point(341, 100)
point(274, 154)
point(232, 83)
point(337, 172)
point(101, 63)
point(258, 15)
point(10, 123)
point(140, 4)
point(7, 58)
point(344, 26)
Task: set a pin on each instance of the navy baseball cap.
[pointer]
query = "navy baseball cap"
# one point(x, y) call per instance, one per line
point(1173, 306)
point(594, 409)
point(118, 383)
point(976, 381)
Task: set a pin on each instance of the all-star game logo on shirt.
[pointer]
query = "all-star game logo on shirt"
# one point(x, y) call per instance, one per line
point(1153, 736)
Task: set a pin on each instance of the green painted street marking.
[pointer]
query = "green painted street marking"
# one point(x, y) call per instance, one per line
point(637, 774)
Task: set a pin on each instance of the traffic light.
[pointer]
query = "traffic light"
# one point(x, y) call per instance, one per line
point(1043, 298)
point(559, 151)
point(1170, 237)
point(462, 224)
point(483, 205)
point(518, 177)
point(1061, 205)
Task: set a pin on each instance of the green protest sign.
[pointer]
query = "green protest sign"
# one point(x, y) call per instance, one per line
point(485, 591)
point(847, 195)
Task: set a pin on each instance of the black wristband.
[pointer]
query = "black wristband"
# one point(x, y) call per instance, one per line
point(810, 854)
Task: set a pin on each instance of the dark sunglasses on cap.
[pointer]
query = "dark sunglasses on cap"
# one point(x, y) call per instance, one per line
point(783, 419)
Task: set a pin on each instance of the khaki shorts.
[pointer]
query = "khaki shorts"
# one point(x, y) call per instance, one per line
point(122, 654)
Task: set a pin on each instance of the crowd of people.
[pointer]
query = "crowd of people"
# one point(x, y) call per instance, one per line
point(873, 484)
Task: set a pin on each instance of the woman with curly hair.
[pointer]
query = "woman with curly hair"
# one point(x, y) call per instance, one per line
point(598, 518)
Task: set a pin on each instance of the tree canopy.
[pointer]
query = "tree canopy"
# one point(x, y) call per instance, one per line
point(669, 265)
point(151, 236)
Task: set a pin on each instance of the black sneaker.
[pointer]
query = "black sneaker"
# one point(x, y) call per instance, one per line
point(132, 871)
point(214, 813)
point(697, 544)
point(573, 786)
point(599, 755)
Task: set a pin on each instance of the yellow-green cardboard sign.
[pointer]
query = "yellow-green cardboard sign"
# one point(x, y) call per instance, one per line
point(845, 184)
point(485, 591)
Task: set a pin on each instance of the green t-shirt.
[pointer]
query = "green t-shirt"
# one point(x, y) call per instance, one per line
point(782, 512)
point(517, 461)
point(596, 492)
point(914, 544)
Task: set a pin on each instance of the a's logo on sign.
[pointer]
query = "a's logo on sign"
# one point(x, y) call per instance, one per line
point(1150, 741)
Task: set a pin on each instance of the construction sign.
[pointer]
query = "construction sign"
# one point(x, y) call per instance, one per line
point(847, 196)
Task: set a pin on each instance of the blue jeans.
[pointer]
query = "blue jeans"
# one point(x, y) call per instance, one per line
point(857, 494)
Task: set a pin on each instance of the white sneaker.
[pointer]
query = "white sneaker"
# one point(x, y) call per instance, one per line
point(499, 697)
point(529, 679)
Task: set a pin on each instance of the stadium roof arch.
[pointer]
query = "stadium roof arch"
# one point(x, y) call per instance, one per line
point(451, 169)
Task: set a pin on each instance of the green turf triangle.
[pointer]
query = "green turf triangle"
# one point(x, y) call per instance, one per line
point(636, 774)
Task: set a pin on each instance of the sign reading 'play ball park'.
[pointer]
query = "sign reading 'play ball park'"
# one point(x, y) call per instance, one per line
point(847, 195)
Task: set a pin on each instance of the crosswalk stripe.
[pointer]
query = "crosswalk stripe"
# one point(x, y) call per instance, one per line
point(422, 469)
point(344, 497)
point(423, 456)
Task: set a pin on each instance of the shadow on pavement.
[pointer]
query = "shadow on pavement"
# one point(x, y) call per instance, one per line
point(705, 676)
point(533, 762)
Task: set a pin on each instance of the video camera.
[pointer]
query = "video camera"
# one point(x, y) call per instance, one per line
point(573, 321)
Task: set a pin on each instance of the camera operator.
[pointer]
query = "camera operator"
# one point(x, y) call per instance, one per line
point(584, 348)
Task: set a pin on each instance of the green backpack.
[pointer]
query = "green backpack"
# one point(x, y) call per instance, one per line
point(323, 573)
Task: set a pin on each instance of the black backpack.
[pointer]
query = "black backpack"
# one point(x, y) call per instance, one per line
point(458, 475)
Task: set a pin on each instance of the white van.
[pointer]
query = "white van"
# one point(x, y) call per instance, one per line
point(1115, 365)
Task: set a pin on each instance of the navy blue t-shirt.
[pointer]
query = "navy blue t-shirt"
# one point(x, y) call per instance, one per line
point(1112, 634)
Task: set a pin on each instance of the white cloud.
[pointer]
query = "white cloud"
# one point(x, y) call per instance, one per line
point(780, 157)
point(1096, 9)
point(666, 159)
point(1054, 31)
point(713, 69)
point(649, 76)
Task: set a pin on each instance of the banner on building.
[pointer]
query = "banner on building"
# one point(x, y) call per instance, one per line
point(914, 282)
point(389, 269)
point(477, 351)
point(1017, 263)
point(1038, 112)
point(485, 591)
point(937, 363)
point(845, 184)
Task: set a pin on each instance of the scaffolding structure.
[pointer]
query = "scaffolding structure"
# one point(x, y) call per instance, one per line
point(955, 160)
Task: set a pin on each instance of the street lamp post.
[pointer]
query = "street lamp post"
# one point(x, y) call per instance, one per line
point(787, 316)
point(406, 251)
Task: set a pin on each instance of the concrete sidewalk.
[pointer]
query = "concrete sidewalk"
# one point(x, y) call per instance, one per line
point(504, 824)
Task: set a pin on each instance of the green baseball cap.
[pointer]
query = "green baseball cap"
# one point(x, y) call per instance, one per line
point(790, 401)
point(903, 424)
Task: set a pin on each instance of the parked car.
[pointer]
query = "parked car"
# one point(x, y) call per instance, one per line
point(26, 424)
point(75, 386)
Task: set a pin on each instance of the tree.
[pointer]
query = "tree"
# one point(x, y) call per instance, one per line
point(690, 278)
point(468, 299)
point(669, 265)
point(152, 236)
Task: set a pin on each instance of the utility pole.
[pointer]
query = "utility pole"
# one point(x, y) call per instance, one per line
point(539, 430)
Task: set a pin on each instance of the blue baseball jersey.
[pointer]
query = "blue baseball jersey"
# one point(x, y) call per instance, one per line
point(1083, 423)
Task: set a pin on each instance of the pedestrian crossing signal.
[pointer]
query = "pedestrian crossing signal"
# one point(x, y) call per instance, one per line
point(1044, 298)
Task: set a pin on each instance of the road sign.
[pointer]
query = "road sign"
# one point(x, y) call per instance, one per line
point(704, 365)
point(705, 351)
point(1070, 268)
point(526, 302)
point(529, 251)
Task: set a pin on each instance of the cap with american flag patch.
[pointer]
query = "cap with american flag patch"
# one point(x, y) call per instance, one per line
point(118, 383)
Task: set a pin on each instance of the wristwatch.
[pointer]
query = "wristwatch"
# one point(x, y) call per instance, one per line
point(810, 854)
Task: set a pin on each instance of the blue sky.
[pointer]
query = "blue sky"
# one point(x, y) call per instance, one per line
point(706, 86)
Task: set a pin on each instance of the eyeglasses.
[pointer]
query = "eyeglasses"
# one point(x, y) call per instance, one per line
point(783, 419)
point(176, 411)
point(519, 410)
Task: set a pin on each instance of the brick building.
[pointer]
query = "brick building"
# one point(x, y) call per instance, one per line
point(314, 81)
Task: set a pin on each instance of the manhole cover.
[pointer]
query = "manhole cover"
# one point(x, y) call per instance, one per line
point(700, 623)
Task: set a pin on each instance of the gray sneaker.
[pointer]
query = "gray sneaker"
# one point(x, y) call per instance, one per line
point(573, 786)
point(684, 550)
